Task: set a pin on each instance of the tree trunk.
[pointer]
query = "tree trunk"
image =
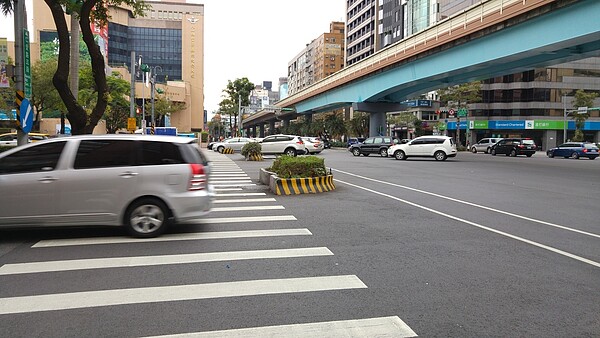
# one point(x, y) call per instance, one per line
point(97, 66)
point(75, 113)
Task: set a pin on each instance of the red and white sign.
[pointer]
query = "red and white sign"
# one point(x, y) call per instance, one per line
point(451, 112)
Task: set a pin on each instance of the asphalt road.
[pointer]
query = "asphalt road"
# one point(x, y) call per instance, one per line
point(471, 247)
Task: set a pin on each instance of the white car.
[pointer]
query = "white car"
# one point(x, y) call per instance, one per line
point(290, 145)
point(313, 145)
point(438, 147)
point(235, 143)
point(484, 145)
point(143, 183)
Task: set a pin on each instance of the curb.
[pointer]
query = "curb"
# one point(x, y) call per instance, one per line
point(297, 186)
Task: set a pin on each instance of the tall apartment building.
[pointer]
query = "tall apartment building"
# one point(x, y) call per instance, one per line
point(362, 37)
point(320, 58)
point(170, 39)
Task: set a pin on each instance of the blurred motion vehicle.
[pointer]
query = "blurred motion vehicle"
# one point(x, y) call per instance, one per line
point(10, 139)
point(514, 146)
point(354, 140)
point(373, 145)
point(235, 143)
point(484, 145)
point(144, 183)
point(290, 145)
point(313, 145)
point(574, 150)
point(436, 146)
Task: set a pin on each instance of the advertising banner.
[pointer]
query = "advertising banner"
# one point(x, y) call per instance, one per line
point(3, 63)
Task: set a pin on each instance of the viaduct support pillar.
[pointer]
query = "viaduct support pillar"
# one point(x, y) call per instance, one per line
point(262, 130)
point(271, 127)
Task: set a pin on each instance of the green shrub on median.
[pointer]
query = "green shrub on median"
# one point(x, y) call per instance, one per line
point(298, 167)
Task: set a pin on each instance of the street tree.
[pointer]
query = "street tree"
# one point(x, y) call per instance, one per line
point(227, 108)
point(163, 106)
point(458, 97)
point(358, 125)
point(408, 120)
point(334, 124)
point(44, 97)
point(89, 11)
point(582, 99)
point(237, 92)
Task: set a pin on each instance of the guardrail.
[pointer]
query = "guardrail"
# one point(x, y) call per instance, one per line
point(490, 12)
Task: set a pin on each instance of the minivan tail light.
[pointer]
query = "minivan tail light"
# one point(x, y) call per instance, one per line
point(198, 177)
point(300, 142)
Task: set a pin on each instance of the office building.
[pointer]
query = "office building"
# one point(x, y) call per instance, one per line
point(170, 40)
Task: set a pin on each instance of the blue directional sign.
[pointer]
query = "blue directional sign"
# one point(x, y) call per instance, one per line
point(26, 113)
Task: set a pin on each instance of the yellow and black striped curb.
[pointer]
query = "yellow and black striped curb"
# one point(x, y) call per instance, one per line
point(297, 186)
point(227, 151)
point(254, 157)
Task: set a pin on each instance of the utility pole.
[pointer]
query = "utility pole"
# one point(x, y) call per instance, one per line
point(239, 115)
point(20, 18)
point(132, 86)
point(74, 63)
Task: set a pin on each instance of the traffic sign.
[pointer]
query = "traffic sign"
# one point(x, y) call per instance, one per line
point(582, 110)
point(131, 124)
point(26, 64)
point(451, 112)
point(26, 116)
point(462, 112)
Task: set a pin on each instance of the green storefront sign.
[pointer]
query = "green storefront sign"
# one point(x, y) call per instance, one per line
point(480, 125)
point(548, 124)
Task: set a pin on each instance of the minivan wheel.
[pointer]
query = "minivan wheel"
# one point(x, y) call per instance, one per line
point(383, 152)
point(575, 156)
point(290, 152)
point(356, 152)
point(147, 217)
point(399, 155)
point(440, 155)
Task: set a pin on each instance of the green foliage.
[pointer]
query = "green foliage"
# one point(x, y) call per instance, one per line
point(359, 124)
point(460, 95)
point(335, 125)
point(582, 99)
point(5, 148)
point(252, 149)
point(238, 90)
point(338, 144)
point(204, 136)
point(299, 167)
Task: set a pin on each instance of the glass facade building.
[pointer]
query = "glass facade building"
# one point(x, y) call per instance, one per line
point(157, 46)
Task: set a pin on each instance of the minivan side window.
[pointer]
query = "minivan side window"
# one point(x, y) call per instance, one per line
point(155, 153)
point(43, 157)
point(104, 153)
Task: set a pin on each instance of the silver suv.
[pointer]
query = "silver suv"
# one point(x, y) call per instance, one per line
point(438, 147)
point(141, 182)
point(283, 144)
point(485, 145)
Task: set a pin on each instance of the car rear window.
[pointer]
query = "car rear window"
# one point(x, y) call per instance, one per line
point(528, 142)
point(157, 153)
point(589, 146)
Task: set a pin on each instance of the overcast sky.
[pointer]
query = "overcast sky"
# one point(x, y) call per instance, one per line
point(254, 39)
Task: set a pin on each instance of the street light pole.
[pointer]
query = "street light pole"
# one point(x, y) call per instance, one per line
point(153, 89)
point(240, 115)
point(565, 118)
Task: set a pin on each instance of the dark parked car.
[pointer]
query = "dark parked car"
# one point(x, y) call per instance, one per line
point(373, 145)
point(514, 147)
point(574, 150)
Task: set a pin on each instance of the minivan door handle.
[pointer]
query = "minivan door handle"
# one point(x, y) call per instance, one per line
point(47, 179)
point(128, 174)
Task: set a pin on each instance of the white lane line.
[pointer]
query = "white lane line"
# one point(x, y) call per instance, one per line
point(383, 327)
point(474, 205)
point(229, 175)
point(216, 180)
point(252, 208)
point(86, 299)
point(120, 262)
point(219, 220)
point(233, 185)
point(174, 237)
point(539, 245)
point(245, 200)
point(228, 189)
point(242, 194)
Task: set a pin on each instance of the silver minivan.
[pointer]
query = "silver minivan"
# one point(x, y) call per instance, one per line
point(141, 182)
point(484, 145)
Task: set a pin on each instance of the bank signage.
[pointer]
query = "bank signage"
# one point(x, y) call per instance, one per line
point(523, 124)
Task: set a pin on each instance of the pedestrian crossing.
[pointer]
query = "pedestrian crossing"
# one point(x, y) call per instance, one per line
point(251, 214)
